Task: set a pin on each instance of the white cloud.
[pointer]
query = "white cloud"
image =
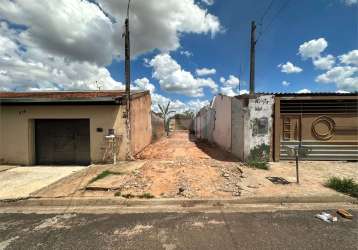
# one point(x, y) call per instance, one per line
point(289, 68)
point(205, 71)
point(312, 49)
point(350, 2)
point(196, 105)
point(231, 81)
point(144, 84)
point(350, 58)
point(80, 31)
point(285, 83)
point(345, 77)
point(186, 53)
point(211, 2)
point(176, 105)
point(173, 78)
point(324, 63)
point(65, 44)
point(229, 91)
point(76, 30)
point(342, 92)
point(159, 24)
point(304, 91)
point(244, 92)
point(230, 86)
point(34, 69)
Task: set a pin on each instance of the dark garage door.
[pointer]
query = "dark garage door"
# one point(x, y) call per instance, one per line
point(62, 142)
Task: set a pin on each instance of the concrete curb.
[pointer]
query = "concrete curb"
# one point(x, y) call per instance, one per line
point(121, 202)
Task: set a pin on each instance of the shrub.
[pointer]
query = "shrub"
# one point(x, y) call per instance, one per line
point(259, 157)
point(343, 185)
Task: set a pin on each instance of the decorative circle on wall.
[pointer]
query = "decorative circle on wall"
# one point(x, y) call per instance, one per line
point(323, 128)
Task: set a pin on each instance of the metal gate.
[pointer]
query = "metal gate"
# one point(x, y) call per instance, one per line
point(62, 142)
point(328, 127)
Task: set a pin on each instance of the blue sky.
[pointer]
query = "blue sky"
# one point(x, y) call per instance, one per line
point(214, 34)
point(228, 52)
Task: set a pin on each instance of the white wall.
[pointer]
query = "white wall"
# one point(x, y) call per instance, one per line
point(222, 128)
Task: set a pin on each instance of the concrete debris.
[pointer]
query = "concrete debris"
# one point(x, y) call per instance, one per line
point(344, 213)
point(326, 217)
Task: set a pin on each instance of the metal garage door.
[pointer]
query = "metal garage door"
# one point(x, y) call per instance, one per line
point(62, 142)
point(328, 127)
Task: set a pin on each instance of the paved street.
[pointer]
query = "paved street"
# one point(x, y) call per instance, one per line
point(279, 230)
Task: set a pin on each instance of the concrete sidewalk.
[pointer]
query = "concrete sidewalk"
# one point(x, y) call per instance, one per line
point(20, 182)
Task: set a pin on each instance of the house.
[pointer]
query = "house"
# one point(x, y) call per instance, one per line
point(79, 127)
point(325, 123)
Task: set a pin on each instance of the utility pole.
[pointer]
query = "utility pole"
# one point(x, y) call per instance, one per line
point(128, 80)
point(252, 58)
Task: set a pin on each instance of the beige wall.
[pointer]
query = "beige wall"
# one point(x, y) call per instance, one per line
point(17, 130)
point(222, 127)
point(158, 129)
point(141, 127)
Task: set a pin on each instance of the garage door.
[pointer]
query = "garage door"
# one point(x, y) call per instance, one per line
point(329, 128)
point(62, 142)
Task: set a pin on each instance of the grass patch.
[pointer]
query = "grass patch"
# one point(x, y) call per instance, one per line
point(130, 196)
point(343, 185)
point(259, 164)
point(146, 196)
point(103, 175)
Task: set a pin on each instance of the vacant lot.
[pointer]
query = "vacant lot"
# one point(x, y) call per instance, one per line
point(182, 167)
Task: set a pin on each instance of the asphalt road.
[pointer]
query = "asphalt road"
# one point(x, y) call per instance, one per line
point(278, 230)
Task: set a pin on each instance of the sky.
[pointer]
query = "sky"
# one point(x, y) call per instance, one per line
point(183, 51)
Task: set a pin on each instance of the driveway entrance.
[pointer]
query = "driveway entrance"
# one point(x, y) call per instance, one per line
point(20, 182)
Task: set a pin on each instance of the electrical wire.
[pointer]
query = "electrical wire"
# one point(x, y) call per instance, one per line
point(273, 19)
point(266, 11)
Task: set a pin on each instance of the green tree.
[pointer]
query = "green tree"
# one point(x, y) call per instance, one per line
point(189, 114)
point(165, 113)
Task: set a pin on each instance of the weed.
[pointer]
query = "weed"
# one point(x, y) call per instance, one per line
point(259, 157)
point(117, 194)
point(343, 185)
point(146, 196)
point(103, 175)
point(128, 196)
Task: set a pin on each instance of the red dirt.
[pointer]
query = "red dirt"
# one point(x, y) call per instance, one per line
point(181, 162)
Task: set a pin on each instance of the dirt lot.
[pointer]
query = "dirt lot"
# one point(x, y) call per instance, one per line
point(178, 166)
point(182, 167)
point(313, 175)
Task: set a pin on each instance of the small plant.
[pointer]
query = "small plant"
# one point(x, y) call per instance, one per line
point(128, 196)
point(259, 157)
point(118, 194)
point(343, 185)
point(146, 196)
point(103, 175)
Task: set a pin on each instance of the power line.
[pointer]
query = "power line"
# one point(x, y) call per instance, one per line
point(266, 12)
point(273, 19)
